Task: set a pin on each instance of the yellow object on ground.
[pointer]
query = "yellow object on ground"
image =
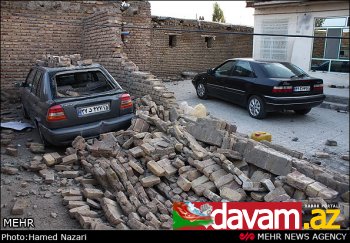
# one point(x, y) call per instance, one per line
point(199, 111)
point(259, 136)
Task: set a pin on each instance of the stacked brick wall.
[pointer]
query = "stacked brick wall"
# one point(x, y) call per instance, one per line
point(137, 44)
point(191, 52)
point(101, 39)
point(102, 42)
point(30, 29)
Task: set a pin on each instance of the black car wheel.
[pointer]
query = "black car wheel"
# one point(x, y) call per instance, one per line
point(42, 138)
point(201, 91)
point(302, 112)
point(256, 107)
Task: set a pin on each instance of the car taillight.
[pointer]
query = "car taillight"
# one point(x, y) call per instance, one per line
point(56, 113)
point(282, 89)
point(318, 87)
point(125, 101)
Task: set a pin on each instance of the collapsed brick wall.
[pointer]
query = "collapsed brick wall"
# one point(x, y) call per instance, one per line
point(191, 52)
point(131, 179)
point(137, 44)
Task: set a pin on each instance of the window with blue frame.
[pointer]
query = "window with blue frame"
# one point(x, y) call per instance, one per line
point(331, 54)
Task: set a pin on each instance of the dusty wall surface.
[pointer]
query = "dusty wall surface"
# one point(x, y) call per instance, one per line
point(191, 52)
point(101, 39)
point(104, 45)
point(32, 28)
point(137, 44)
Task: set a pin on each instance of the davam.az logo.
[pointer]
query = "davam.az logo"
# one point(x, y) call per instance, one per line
point(249, 216)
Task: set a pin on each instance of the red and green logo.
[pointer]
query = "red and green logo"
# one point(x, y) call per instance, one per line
point(187, 216)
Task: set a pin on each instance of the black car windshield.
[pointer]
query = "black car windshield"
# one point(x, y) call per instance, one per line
point(282, 70)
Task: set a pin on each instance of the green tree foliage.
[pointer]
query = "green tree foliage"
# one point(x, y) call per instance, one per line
point(218, 14)
point(319, 22)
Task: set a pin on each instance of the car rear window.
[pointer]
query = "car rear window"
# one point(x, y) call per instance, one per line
point(282, 70)
point(81, 84)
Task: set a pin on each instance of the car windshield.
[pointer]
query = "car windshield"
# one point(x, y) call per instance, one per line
point(282, 70)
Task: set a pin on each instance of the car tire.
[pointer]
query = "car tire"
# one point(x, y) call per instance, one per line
point(201, 91)
point(302, 112)
point(256, 107)
point(42, 138)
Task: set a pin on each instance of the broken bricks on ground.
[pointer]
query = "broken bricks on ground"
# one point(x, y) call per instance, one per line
point(129, 179)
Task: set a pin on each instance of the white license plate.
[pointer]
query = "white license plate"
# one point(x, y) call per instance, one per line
point(301, 88)
point(83, 111)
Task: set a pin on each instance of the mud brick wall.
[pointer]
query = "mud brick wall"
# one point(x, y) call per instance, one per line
point(191, 52)
point(102, 42)
point(30, 29)
point(137, 44)
point(101, 39)
point(144, 83)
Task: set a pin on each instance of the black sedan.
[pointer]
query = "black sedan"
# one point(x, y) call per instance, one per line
point(261, 86)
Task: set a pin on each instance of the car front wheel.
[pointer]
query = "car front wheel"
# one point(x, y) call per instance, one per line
point(256, 107)
point(201, 91)
point(302, 112)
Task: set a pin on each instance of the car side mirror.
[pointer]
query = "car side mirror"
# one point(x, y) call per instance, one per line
point(211, 71)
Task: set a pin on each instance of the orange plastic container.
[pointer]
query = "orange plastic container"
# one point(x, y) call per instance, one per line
point(259, 136)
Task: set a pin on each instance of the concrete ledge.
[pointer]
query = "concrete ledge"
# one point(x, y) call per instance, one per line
point(337, 99)
point(334, 106)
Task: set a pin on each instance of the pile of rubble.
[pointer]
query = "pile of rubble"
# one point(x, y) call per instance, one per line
point(129, 179)
point(48, 60)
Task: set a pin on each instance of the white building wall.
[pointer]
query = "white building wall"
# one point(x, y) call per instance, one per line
point(301, 22)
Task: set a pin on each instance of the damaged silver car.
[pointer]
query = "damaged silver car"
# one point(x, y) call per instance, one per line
point(64, 102)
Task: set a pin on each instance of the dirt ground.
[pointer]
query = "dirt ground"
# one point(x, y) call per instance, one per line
point(44, 202)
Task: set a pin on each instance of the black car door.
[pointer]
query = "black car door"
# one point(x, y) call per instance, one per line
point(26, 91)
point(34, 97)
point(216, 81)
point(238, 83)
